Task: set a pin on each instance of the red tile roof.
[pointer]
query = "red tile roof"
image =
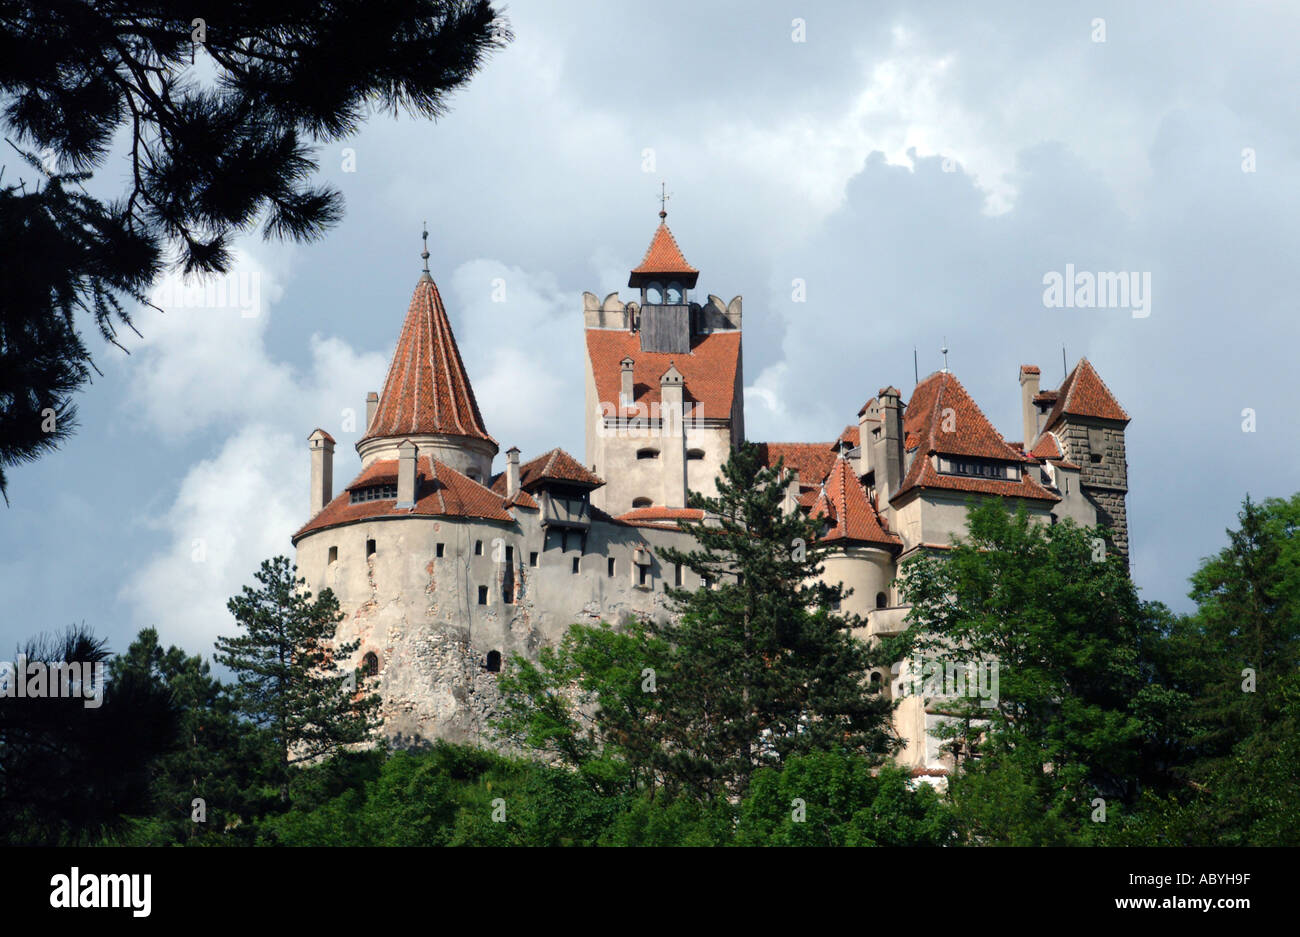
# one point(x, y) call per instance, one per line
point(427, 389)
point(708, 371)
point(844, 503)
point(850, 437)
point(930, 428)
point(1083, 393)
point(1047, 448)
point(1029, 369)
point(813, 460)
point(328, 437)
point(923, 475)
point(449, 494)
point(521, 499)
point(556, 465)
point(663, 256)
point(964, 431)
point(659, 517)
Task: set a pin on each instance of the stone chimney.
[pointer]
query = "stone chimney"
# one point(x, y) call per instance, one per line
point(889, 464)
point(866, 423)
point(512, 471)
point(406, 462)
point(672, 436)
point(1028, 391)
point(372, 404)
point(322, 470)
point(625, 386)
point(791, 502)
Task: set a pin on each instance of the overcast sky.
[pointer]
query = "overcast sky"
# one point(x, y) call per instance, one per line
point(918, 167)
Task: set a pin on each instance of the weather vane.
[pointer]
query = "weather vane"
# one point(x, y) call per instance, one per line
point(424, 254)
point(663, 200)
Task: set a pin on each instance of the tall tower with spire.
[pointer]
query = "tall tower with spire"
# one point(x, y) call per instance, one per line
point(427, 397)
point(665, 400)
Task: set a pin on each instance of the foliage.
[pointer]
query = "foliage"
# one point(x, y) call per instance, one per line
point(287, 666)
point(213, 147)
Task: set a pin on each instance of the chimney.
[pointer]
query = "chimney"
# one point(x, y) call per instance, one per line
point(406, 453)
point(791, 502)
point(372, 404)
point(673, 436)
point(322, 469)
point(625, 387)
point(865, 425)
point(1028, 391)
point(512, 471)
point(889, 469)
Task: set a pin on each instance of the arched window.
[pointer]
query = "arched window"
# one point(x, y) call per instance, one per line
point(370, 664)
point(875, 680)
point(654, 293)
point(674, 293)
point(882, 600)
point(647, 453)
point(694, 455)
point(641, 502)
point(494, 661)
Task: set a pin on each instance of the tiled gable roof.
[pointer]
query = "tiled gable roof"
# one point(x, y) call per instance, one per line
point(521, 499)
point(708, 370)
point(843, 501)
point(556, 465)
point(1047, 448)
point(812, 460)
point(965, 431)
point(663, 255)
point(427, 390)
point(440, 491)
point(851, 437)
point(1084, 393)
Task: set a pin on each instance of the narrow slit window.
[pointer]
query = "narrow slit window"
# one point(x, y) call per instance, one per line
point(482, 595)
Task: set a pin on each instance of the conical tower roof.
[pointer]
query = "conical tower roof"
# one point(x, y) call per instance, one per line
point(427, 391)
point(663, 259)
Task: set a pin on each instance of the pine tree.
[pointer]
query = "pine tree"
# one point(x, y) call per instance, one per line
point(223, 112)
point(763, 665)
point(289, 679)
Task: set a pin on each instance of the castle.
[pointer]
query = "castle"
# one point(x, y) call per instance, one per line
point(444, 568)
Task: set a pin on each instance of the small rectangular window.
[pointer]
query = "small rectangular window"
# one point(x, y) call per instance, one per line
point(439, 550)
point(677, 575)
point(575, 564)
point(532, 559)
point(482, 595)
point(611, 565)
point(644, 575)
point(478, 547)
point(510, 556)
point(334, 554)
point(370, 548)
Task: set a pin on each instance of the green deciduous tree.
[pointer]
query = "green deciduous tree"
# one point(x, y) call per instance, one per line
point(1065, 626)
point(289, 677)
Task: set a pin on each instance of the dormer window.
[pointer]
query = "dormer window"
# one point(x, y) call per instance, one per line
point(373, 493)
point(978, 468)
